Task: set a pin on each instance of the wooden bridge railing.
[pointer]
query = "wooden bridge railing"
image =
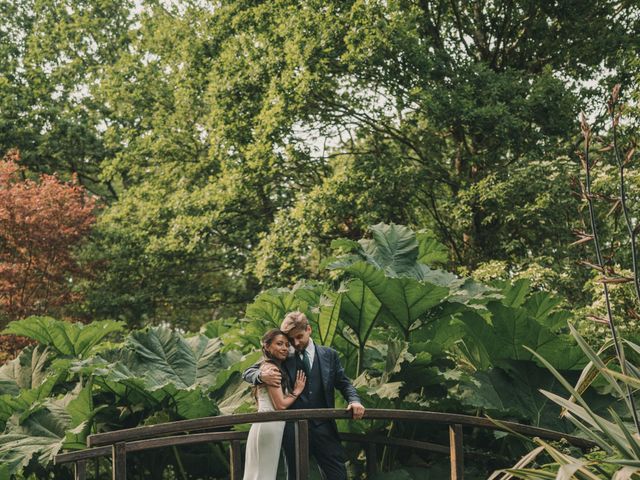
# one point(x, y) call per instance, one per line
point(119, 443)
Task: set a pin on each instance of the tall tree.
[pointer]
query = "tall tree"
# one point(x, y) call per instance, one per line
point(479, 98)
point(235, 139)
point(172, 251)
point(41, 222)
point(51, 56)
point(285, 124)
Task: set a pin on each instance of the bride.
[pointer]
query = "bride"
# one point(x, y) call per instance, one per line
point(263, 443)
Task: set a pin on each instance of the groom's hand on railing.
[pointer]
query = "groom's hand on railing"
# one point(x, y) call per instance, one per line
point(357, 410)
point(270, 375)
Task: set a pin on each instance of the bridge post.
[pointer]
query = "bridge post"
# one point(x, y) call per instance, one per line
point(119, 456)
point(80, 470)
point(457, 456)
point(235, 460)
point(302, 449)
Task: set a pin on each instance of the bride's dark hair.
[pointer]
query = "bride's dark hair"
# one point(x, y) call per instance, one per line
point(267, 340)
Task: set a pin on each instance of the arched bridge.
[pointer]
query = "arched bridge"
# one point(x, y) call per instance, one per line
point(118, 444)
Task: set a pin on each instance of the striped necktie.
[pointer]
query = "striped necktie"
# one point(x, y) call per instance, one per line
point(306, 362)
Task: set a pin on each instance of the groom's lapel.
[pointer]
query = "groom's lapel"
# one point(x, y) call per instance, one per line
point(290, 365)
point(325, 365)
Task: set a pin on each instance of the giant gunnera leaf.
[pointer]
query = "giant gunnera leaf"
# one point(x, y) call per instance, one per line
point(162, 356)
point(42, 431)
point(513, 390)
point(66, 338)
point(509, 331)
point(403, 300)
point(270, 307)
point(25, 372)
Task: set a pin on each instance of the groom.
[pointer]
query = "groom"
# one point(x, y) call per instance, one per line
point(324, 374)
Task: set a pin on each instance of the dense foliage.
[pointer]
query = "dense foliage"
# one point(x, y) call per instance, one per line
point(41, 223)
point(257, 157)
point(234, 140)
point(410, 334)
point(618, 454)
point(615, 363)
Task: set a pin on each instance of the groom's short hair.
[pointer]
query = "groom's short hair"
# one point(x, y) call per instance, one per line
point(294, 321)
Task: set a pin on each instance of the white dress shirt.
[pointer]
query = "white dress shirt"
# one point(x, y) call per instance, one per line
point(311, 351)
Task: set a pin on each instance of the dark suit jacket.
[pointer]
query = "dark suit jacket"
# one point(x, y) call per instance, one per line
point(331, 371)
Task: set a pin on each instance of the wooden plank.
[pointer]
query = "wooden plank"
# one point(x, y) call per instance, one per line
point(119, 456)
point(302, 449)
point(150, 444)
point(235, 460)
point(80, 472)
point(457, 455)
point(82, 455)
point(177, 440)
point(396, 442)
point(209, 423)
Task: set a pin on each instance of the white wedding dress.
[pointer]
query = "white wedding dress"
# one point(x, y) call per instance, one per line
point(263, 443)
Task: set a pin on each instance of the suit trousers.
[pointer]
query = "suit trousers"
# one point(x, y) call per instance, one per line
point(324, 445)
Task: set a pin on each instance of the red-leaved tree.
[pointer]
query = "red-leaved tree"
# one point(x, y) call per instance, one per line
point(41, 222)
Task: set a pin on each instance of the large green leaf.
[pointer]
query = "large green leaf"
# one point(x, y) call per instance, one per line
point(162, 356)
point(328, 316)
point(17, 450)
point(245, 337)
point(513, 390)
point(66, 338)
point(193, 403)
point(397, 353)
point(544, 307)
point(238, 397)
point(471, 293)
point(270, 307)
point(393, 248)
point(80, 410)
point(361, 309)
point(127, 388)
point(390, 269)
point(372, 388)
point(377, 383)
point(25, 372)
point(236, 334)
point(430, 251)
point(404, 300)
point(159, 369)
point(510, 330)
point(320, 304)
point(44, 430)
point(440, 333)
point(226, 376)
point(399, 252)
point(515, 293)
point(27, 380)
point(135, 391)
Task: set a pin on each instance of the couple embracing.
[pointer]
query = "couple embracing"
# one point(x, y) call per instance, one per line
point(306, 378)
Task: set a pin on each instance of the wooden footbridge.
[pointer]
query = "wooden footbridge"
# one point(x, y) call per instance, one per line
point(118, 444)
